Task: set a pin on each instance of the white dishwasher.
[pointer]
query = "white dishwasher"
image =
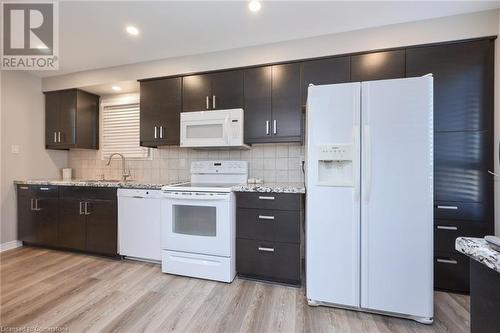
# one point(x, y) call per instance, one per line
point(139, 218)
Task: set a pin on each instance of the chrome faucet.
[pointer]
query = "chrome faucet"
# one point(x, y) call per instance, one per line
point(125, 175)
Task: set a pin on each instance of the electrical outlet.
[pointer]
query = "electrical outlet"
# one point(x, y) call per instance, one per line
point(14, 149)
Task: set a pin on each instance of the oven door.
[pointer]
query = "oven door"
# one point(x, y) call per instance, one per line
point(205, 133)
point(197, 223)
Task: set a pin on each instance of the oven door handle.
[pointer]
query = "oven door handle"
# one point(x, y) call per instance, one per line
point(195, 197)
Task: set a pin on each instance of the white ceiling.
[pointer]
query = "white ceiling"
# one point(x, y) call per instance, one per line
point(92, 34)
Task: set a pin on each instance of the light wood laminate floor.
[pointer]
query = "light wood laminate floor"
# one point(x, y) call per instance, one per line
point(83, 293)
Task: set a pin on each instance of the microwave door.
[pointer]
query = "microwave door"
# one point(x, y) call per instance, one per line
point(202, 133)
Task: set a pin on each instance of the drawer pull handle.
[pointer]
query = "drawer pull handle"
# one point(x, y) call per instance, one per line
point(445, 227)
point(265, 217)
point(447, 207)
point(261, 197)
point(265, 249)
point(44, 189)
point(447, 261)
point(24, 187)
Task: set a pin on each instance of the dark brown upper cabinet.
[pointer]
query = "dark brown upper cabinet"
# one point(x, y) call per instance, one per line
point(463, 83)
point(273, 111)
point(325, 71)
point(212, 91)
point(160, 112)
point(71, 119)
point(378, 66)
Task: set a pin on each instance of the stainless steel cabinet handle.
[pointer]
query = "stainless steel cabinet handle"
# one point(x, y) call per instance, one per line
point(161, 132)
point(261, 197)
point(58, 136)
point(275, 126)
point(208, 103)
point(447, 207)
point(156, 132)
point(81, 208)
point(31, 204)
point(36, 208)
point(267, 127)
point(44, 189)
point(24, 188)
point(87, 208)
point(265, 249)
point(447, 261)
point(266, 217)
point(55, 136)
point(213, 101)
point(445, 227)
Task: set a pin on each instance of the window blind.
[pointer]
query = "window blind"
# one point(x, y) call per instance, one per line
point(121, 130)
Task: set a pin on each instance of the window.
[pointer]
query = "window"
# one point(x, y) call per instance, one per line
point(121, 130)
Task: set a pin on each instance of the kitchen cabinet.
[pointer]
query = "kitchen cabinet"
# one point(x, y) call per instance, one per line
point(273, 111)
point(71, 119)
point(463, 148)
point(102, 226)
point(463, 83)
point(325, 71)
point(72, 231)
point(160, 112)
point(37, 212)
point(378, 66)
point(212, 91)
point(269, 233)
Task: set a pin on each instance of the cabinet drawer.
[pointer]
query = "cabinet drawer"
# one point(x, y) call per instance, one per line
point(278, 201)
point(45, 191)
point(451, 272)
point(84, 192)
point(268, 225)
point(24, 191)
point(461, 211)
point(446, 232)
point(268, 260)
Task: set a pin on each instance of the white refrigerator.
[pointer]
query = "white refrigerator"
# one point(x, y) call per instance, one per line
point(369, 201)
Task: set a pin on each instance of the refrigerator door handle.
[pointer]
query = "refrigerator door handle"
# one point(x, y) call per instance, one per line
point(355, 138)
point(367, 162)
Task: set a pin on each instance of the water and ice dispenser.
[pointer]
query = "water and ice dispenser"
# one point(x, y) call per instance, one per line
point(335, 165)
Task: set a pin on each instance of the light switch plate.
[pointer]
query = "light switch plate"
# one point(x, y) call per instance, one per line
point(14, 149)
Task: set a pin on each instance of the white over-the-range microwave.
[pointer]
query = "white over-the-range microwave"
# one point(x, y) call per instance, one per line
point(213, 129)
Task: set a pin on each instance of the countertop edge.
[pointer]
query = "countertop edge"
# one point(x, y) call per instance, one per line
point(479, 250)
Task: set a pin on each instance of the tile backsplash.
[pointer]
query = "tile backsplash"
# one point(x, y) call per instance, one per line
point(271, 162)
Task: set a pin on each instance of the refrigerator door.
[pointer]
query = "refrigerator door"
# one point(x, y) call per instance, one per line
point(332, 211)
point(397, 196)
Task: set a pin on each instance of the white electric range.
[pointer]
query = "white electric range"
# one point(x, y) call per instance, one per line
point(198, 221)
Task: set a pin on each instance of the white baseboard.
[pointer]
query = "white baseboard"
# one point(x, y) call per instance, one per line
point(10, 245)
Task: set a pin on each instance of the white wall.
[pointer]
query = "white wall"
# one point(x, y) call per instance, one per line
point(22, 123)
point(428, 31)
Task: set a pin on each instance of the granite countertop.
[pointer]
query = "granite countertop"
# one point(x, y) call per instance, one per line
point(264, 187)
point(96, 183)
point(271, 188)
point(479, 250)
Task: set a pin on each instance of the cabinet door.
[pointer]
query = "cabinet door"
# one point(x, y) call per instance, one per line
point(101, 225)
point(87, 120)
point(325, 71)
point(227, 90)
point(67, 118)
point(196, 93)
point(71, 233)
point(461, 164)
point(463, 83)
point(378, 66)
point(287, 115)
point(160, 112)
point(258, 89)
point(26, 226)
point(46, 219)
point(52, 105)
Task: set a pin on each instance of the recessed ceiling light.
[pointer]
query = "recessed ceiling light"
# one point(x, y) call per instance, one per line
point(116, 88)
point(132, 30)
point(254, 6)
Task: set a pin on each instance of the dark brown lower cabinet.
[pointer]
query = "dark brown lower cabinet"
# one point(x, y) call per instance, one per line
point(269, 233)
point(69, 217)
point(102, 226)
point(484, 298)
